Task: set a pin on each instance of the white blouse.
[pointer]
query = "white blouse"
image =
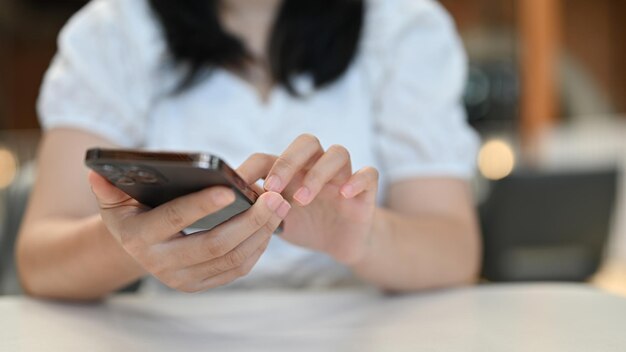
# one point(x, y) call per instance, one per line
point(397, 108)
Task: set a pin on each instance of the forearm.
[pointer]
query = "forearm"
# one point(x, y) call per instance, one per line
point(73, 259)
point(413, 253)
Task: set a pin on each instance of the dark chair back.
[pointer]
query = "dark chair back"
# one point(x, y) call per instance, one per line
point(547, 226)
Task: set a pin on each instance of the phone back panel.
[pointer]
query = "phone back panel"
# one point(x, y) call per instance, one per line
point(154, 182)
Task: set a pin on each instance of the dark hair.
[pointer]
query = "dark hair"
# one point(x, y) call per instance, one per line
point(316, 37)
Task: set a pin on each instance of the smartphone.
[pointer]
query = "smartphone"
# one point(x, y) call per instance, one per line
point(154, 178)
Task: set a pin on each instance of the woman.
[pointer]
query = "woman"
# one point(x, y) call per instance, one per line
point(300, 93)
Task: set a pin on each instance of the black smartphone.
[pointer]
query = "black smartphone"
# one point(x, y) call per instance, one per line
point(154, 178)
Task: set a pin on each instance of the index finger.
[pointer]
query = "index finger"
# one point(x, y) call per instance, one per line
point(107, 195)
point(304, 151)
point(256, 167)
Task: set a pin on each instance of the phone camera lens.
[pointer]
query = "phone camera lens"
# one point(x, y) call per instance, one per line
point(125, 181)
point(143, 176)
point(146, 177)
point(110, 170)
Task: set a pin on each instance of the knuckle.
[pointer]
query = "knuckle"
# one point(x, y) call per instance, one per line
point(260, 156)
point(174, 216)
point(213, 270)
point(270, 227)
point(185, 257)
point(314, 177)
point(257, 219)
point(242, 271)
point(341, 153)
point(309, 139)
point(255, 156)
point(131, 242)
point(246, 268)
point(224, 281)
point(339, 150)
point(127, 240)
point(172, 280)
point(215, 247)
point(157, 266)
point(373, 172)
point(235, 258)
point(181, 282)
point(284, 163)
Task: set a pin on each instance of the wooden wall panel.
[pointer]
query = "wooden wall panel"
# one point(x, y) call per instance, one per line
point(539, 26)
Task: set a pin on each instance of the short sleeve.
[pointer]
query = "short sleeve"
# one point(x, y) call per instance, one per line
point(420, 124)
point(100, 79)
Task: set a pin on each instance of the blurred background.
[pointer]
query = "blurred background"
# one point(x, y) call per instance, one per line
point(546, 91)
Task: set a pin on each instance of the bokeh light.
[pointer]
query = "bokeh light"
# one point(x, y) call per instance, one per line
point(8, 168)
point(496, 159)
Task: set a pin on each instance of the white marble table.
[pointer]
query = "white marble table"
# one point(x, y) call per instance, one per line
point(487, 318)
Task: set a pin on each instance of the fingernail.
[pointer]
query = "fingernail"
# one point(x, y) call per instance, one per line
point(302, 195)
point(347, 191)
point(283, 209)
point(273, 201)
point(273, 184)
point(223, 196)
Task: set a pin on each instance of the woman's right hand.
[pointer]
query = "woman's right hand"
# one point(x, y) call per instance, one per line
point(193, 263)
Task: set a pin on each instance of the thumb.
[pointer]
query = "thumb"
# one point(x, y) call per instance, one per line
point(107, 195)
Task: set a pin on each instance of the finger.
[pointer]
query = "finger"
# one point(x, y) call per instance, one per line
point(302, 152)
point(335, 164)
point(234, 258)
point(108, 196)
point(233, 274)
point(166, 220)
point(218, 242)
point(364, 180)
point(256, 167)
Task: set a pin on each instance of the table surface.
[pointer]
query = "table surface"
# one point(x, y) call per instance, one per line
point(539, 317)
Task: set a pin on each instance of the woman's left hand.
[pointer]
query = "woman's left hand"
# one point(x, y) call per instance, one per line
point(332, 208)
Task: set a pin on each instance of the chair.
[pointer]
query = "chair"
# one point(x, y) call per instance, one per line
point(15, 199)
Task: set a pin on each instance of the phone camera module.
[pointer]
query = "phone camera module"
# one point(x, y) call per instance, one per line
point(125, 181)
point(144, 176)
point(110, 170)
